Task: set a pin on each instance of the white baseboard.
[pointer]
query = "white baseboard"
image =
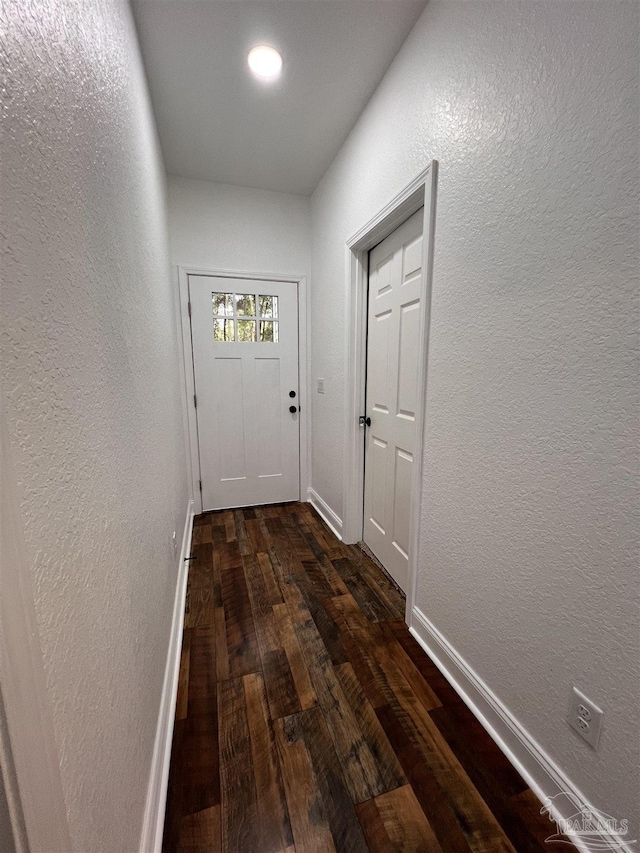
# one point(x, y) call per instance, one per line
point(538, 769)
point(325, 512)
point(153, 823)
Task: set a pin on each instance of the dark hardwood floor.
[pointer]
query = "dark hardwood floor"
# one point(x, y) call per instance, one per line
point(308, 718)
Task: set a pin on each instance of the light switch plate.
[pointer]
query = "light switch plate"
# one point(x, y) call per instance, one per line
point(320, 386)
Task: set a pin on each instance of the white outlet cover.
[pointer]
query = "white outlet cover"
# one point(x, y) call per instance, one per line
point(585, 717)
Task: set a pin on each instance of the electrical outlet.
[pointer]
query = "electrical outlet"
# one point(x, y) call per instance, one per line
point(585, 717)
point(320, 386)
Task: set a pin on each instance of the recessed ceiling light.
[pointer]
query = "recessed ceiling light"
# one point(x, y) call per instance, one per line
point(265, 62)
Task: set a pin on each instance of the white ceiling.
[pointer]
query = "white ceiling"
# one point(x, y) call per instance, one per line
point(217, 123)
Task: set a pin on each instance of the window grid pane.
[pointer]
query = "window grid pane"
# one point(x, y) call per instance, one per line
point(235, 317)
point(223, 329)
point(222, 304)
point(269, 331)
point(268, 306)
point(246, 304)
point(247, 331)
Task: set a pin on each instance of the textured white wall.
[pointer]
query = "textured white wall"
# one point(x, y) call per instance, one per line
point(217, 226)
point(528, 556)
point(91, 390)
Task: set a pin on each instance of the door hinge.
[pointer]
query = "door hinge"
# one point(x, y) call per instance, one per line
point(200, 486)
point(195, 400)
point(189, 308)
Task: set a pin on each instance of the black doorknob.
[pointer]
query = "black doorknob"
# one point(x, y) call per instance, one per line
point(292, 393)
point(293, 409)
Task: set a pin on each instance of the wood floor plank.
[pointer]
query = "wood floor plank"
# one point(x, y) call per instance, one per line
point(396, 822)
point(201, 566)
point(200, 832)
point(439, 811)
point(261, 607)
point(528, 827)
point(382, 586)
point(338, 586)
point(201, 534)
point(489, 769)
point(341, 814)
point(333, 547)
point(256, 537)
point(302, 522)
point(300, 546)
point(275, 828)
point(219, 623)
point(281, 550)
point(304, 688)
point(409, 670)
point(360, 767)
point(389, 768)
point(242, 643)
point(200, 780)
point(281, 690)
point(325, 625)
point(373, 606)
point(230, 556)
point(200, 607)
point(429, 671)
point(226, 518)
point(309, 719)
point(318, 580)
point(309, 821)
point(222, 650)
point(242, 534)
point(202, 671)
point(481, 829)
point(240, 824)
point(174, 811)
point(182, 698)
point(346, 612)
point(218, 533)
point(270, 580)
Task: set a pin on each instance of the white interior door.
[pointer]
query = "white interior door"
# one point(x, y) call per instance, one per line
point(396, 288)
point(245, 358)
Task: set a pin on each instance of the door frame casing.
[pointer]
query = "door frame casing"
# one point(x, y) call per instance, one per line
point(193, 451)
point(421, 192)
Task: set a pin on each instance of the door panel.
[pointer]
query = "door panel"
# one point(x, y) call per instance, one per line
point(231, 447)
point(268, 400)
point(378, 476)
point(378, 387)
point(401, 503)
point(245, 361)
point(393, 344)
point(408, 347)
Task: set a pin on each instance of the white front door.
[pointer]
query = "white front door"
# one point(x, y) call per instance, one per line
point(396, 288)
point(245, 360)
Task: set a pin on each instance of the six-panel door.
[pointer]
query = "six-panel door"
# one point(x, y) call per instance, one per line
point(245, 354)
point(395, 294)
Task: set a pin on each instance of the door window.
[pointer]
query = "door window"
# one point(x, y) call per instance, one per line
point(235, 318)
